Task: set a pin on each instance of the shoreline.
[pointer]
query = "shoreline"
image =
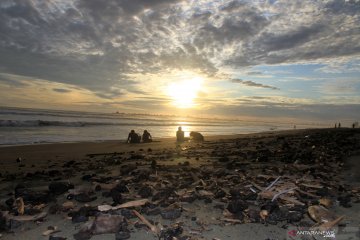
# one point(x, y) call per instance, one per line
point(215, 136)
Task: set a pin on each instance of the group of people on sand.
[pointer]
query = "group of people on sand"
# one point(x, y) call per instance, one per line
point(146, 137)
point(134, 137)
point(196, 136)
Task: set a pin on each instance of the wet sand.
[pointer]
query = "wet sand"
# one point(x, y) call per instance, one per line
point(220, 158)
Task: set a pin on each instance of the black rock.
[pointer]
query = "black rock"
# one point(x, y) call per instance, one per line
point(171, 213)
point(254, 215)
point(294, 216)
point(58, 188)
point(87, 177)
point(85, 235)
point(171, 233)
point(127, 169)
point(153, 164)
point(79, 218)
point(121, 187)
point(54, 209)
point(70, 197)
point(82, 214)
point(270, 206)
point(10, 202)
point(145, 191)
point(13, 224)
point(127, 213)
point(3, 226)
point(237, 206)
point(84, 197)
point(122, 235)
point(56, 238)
point(116, 196)
point(151, 210)
point(54, 173)
point(345, 201)
point(32, 197)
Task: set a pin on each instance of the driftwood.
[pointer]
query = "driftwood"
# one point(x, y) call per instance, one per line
point(24, 217)
point(50, 231)
point(328, 225)
point(152, 227)
point(136, 203)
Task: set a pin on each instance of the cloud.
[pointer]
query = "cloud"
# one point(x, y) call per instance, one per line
point(253, 84)
point(12, 80)
point(61, 90)
point(100, 45)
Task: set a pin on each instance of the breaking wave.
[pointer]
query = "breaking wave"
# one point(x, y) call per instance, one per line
point(43, 123)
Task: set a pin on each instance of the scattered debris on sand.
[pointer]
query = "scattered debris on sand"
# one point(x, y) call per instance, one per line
point(287, 179)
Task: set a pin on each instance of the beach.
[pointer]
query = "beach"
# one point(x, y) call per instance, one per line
point(243, 186)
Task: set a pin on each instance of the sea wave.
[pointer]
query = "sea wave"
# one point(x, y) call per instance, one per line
point(43, 123)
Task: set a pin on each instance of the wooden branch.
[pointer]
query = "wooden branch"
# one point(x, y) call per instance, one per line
point(152, 227)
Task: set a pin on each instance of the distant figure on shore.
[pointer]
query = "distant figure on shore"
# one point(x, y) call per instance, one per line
point(146, 137)
point(196, 136)
point(133, 137)
point(180, 135)
point(339, 126)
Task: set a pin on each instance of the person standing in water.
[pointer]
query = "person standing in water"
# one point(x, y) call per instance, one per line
point(180, 135)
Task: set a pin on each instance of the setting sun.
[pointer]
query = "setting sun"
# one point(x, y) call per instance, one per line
point(183, 93)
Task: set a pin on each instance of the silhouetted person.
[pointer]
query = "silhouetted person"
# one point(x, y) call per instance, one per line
point(180, 135)
point(146, 137)
point(339, 126)
point(133, 137)
point(196, 136)
point(353, 125)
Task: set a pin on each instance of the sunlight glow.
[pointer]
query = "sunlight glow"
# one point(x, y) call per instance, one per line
point(184, 92)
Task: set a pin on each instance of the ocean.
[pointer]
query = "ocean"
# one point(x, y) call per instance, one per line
point(20, 126)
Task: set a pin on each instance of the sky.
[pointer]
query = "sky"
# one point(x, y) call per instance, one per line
point(275, 59)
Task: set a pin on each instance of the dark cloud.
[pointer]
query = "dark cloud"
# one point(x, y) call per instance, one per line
point(255, 73)
point(61, 90)
point(12, 81)
point(97, 45)
point(253, 84)
point(273, 42)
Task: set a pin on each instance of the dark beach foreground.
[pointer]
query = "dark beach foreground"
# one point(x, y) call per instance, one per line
point(254, 186)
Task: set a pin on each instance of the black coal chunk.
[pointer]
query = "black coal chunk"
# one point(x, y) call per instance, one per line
point(56, 238)
point(237, 206)
point(345, 201)
point(3, 226)
point(58, 188)
point(171, 233)
point(82, 235)
point(32, 197)
point(84, 197)
point(145, 191)
point(83, 214)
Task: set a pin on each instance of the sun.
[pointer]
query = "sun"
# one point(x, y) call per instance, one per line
point(184, 92)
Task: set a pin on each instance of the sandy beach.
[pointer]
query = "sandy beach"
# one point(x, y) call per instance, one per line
point(250, 186)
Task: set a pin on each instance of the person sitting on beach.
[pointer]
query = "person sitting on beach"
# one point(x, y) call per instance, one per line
point(133, 137)
point(196, 136)
point(146, 137)
point(180, 135)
